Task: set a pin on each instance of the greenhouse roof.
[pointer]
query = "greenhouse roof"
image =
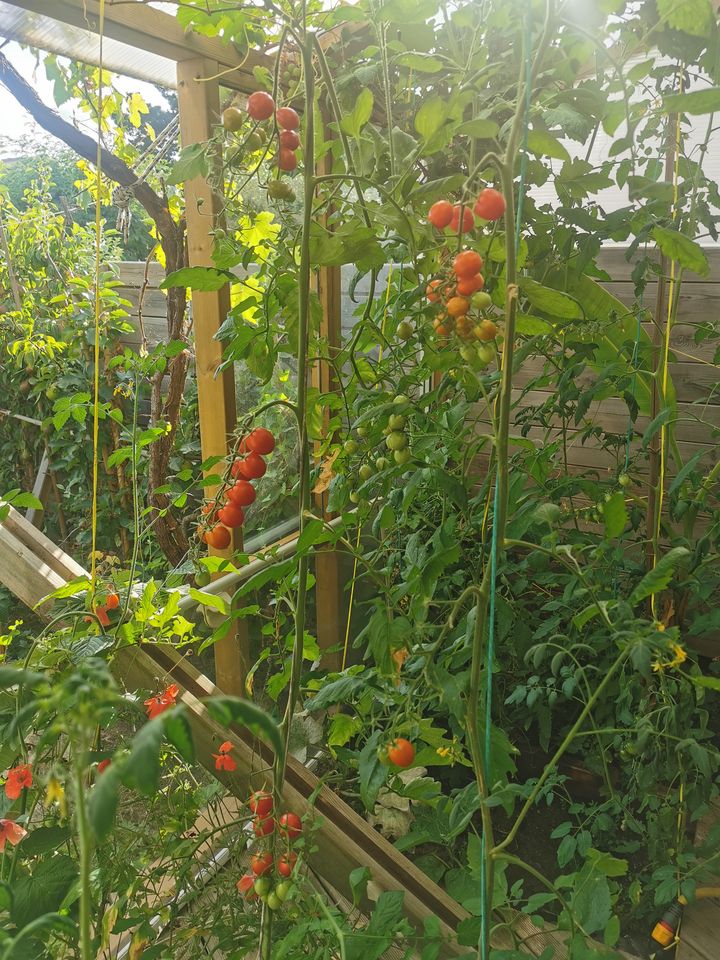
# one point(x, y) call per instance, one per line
point(140, 41)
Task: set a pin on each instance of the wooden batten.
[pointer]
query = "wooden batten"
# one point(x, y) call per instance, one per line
point(199, 108)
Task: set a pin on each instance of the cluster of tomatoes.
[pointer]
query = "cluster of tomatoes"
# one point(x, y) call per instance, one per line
point(226, 511)
point(261, 107)
point(489, 206)
point(258, 882)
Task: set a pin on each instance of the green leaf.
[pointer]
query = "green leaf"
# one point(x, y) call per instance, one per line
point(695, 17)
point(337, 691)
point(606, 864)
point(191, 163)
point(543, 144)
point(315, 531)
point(210, 600)
point(710, 683)
point(15, 677)
point(551, 301)
point(234, 710)
point(342, 729)
point(685, 251)
point(103, 800)
point(359, 879)
point(198, 278)
point(353, 123)
point(592, 904)
point(615, 515)
point(27, 500)
point(480, 129)
point(43, 890)
point(43, 840)
point(695, 102)
point(373, 773)
point(430, 117)
point(142, 769)
point(179, 732)
point(420, 62)
point(660, 576)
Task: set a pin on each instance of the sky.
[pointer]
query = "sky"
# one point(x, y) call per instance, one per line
point(17, 123)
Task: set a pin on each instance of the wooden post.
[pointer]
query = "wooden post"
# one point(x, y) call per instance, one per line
point(199, 108)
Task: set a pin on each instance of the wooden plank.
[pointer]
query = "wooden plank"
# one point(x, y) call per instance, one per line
point(199, 105)
point(22, 572)
point(46, 553)
point(700, 931)
point(41, 490)
point(143, 27)
point(131, 273)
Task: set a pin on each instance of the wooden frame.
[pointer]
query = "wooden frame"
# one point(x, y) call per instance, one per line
point(199, 108)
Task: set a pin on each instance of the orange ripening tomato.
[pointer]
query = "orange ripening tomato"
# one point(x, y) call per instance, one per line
point(287, 118)
point(440, 214)
point(470, 285)
point(261, 441)
point(231, 516)
point(457, 306)
point(263, 828)
point(242, 493)
point(286, 863)
point(464, 328)
point(112, 602)
point(490, 204)
point(245, 886)
point(260, 105)
point(468, 219)
point(431, 291)
point(218, 537)
point(486, 330)
point(401, 752)
point(467, 264)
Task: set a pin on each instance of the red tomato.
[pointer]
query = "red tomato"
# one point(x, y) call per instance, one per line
point(468, 219)
point(260, 105)
point(242, 494)
point(470, 285)
point(490, 204)
point(261, 804)
point(251, 468)
point(457, 307)
point(287, 159)
point(245, 886)
point(260, 863)
point(263, 827)
point(286, 864)
point(467, 264)
point(401, 752)
point(287, 118)
point(440, 214)
point(231, 515)
point(289, 139)
point(431, 291)
point(290, 825)
point(218, 537)
point(261, 441)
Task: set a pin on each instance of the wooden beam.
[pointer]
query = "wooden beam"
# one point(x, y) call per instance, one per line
point(199, 106)
point(146, 28)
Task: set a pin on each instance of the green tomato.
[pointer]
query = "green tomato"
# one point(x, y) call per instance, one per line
point(485, 354)
point(481, 300)
point(273, 901)
point(202, 578)
point(362, 431)
point(365, 472)
point(624, 480)
point(401, 400)
point(355, 497)
point(262, 886)
point(382, 463)
point(52, 392)
point(350, 446)
point(253, 142)
point(232, 119)
point(468, 353)
point(396, 441)
point(280, 190)
point(402, 456)
point(405, 329)
point(396, 421)
point(283, 890)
